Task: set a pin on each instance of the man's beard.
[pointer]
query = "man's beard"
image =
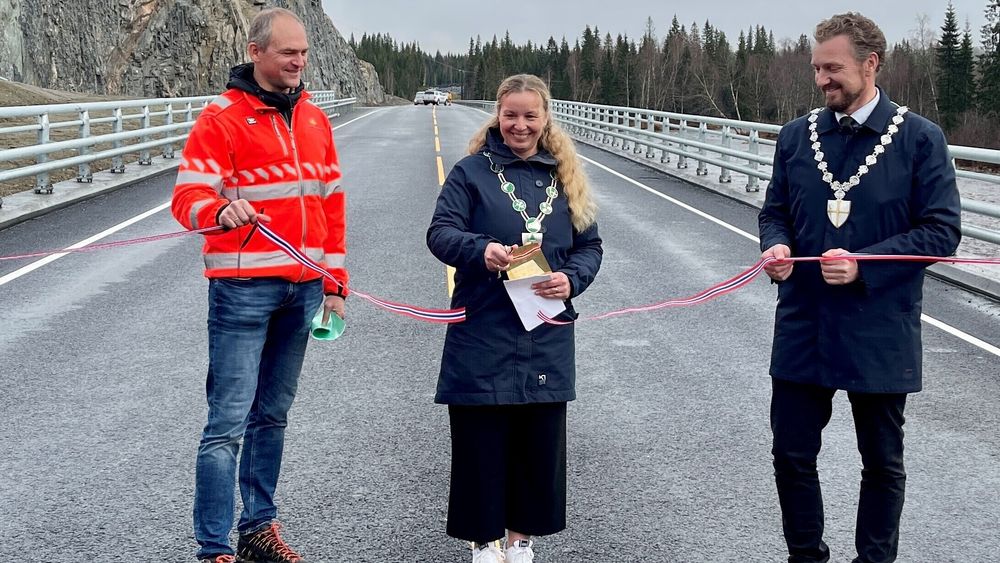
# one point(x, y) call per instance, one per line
point(846, 100)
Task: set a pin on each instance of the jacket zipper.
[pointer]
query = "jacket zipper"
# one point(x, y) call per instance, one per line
point(302, 195)
point(277, 133)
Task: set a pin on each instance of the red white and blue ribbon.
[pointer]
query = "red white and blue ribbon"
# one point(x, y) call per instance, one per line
point(458, 315)
point(445, 316)
point(421, 313)
point(748, 275)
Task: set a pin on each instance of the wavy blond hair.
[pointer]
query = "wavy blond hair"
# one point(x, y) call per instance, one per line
point(582, 209)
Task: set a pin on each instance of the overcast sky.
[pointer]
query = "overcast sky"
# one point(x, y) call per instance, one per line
point(447, 25)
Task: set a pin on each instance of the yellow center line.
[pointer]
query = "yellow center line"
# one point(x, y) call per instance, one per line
point(449, 271)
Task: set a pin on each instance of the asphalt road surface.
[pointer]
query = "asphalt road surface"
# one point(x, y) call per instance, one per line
point(104, 358)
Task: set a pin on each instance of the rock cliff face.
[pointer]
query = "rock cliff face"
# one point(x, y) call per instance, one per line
point(152, 48)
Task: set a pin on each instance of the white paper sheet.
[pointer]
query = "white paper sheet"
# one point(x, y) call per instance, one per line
point(528, 305)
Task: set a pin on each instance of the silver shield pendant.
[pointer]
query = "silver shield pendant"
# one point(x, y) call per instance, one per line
point(838, 210)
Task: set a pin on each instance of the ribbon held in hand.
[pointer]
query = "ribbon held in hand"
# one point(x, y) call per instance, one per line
point(445, 316)
point(752, 272)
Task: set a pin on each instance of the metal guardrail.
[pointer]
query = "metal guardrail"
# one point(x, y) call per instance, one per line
point(177, 116)
point(730, 145)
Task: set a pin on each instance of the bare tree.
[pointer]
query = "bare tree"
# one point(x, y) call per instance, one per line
point(923, 39)
point(648, 67)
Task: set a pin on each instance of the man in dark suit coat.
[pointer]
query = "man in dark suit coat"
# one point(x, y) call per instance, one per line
point(882, 184)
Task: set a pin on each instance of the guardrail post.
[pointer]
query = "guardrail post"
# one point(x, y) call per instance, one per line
point(664, 155)
point(118, 162)
point(754, 149)
point(168, 150)
point(650, 130)
point(609, 138)
point(599, 133)
point(682, 159)
point(611, 128)
point(640, 120)
point(630, 129)
point(619, 122)
point(634, 124)
point(83, 174)
point(42, 183)
point(703, 137)
point(725, 175)
point(607, 134)
point(144, 158)
point(626, 123)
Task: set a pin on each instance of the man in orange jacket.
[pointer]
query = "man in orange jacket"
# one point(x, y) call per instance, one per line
point(261, 151)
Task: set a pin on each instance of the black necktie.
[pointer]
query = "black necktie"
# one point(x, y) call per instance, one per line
point(848, 126)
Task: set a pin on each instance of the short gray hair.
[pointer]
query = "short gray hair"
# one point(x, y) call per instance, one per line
point(260, 27)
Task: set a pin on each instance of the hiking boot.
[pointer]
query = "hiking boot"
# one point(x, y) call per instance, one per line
point(265, 546)
point(218, 559)
point(488, 553)
point(520, 552)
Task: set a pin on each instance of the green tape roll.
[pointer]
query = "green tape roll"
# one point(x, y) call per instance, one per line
point(329, 331)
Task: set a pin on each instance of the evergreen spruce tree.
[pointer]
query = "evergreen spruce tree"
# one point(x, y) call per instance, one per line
point(590, 53)
point(966, 73)
point(988, 92)
point(949, 102)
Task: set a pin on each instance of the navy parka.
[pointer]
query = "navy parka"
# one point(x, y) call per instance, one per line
point(864, 336)
point(490, 359)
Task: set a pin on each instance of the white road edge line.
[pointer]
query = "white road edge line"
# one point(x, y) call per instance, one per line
point(53, 257)
point(926, 318)
point(676, 202)
point(359, 117)
point(956, 332)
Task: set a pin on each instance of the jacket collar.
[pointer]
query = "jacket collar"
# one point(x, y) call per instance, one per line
point(241, 78)
point(878, 121)
point(502, 154)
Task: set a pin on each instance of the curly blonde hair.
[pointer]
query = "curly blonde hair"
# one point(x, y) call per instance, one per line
point(582, 208)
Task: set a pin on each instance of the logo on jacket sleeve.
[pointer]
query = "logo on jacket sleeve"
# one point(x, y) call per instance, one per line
point(251, 121)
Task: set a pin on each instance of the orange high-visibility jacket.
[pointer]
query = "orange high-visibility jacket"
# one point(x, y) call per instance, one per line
point(240, 148)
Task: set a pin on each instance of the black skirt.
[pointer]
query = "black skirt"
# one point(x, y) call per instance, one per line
point(508, 470)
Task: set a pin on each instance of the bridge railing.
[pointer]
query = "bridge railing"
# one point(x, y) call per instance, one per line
point(47, 138)
point(730, 146)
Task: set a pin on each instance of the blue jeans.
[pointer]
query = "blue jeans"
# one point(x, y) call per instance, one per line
point(257, 334)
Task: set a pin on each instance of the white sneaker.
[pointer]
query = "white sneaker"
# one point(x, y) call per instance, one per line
point(489, 554)
point(520, 552)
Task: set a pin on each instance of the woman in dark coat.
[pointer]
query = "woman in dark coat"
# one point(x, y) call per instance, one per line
point(506, 387)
